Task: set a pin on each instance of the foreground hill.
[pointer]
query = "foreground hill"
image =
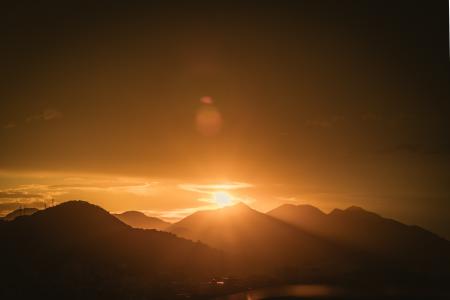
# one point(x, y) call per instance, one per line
point(77, 250)
point(140, 220)
point(20, 212)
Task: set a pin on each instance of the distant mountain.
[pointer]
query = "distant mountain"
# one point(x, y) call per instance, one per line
point(306, 217)
point(140, 220)
point(77, 250)
point(301, 243)
point(366, 231)
point(256, 237)
point(20, 212)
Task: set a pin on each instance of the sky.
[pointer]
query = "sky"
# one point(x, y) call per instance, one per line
point(155, 106)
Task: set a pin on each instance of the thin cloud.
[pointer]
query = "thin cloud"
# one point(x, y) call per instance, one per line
point(210, 188)
point(13, 197)
point(9, 125)
point(46, 115)
point(18, 195)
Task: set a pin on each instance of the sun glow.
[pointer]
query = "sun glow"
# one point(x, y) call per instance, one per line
point(222, 199)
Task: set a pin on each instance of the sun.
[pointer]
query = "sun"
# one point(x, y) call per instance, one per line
point(222, 199)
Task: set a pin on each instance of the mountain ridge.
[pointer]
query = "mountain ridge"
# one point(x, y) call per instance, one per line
point(138, 219)
point(358, 228)
point(26, 211)
point(79, 248)
point(241, 230)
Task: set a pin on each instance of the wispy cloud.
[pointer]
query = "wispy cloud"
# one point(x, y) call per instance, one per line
point(9, 125)
point(207, 191)
point(17, 195)
point(46, 115)
point(177, 214)
point(210, 188)
point(38, 195)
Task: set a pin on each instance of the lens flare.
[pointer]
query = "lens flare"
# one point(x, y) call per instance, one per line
point(208, 120)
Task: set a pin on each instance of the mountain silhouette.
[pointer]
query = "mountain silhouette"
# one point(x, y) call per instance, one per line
point(140, 220)
point(253, 237)
point(303, 243)
point(366, 231)
point(77, 250)
point(20, 212)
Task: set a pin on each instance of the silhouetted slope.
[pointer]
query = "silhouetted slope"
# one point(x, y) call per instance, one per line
point(306, 217)
point(20, 212)
point(139, 220)
point(76, 249)
point(256, 238)
point(410, 246)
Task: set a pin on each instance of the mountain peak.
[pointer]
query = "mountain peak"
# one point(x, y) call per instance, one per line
point(75, 214)
point(20, 212)
point(133, 213)
point(239, 207)
point(354, 212)
point(235, 207)
point(138, 219)
point(309, 208)
point(301, 210)
point(355, 209)
point(77, 204)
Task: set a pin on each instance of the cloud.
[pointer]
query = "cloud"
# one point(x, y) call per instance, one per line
point(18, 195)
point(26, 193)
point(28, 196)
point(9, 125)
point(291, 199)
point(136, 186)
point(7, 207)
point(176, 214)
point(210, 188)
point(46, 115)
point(207, 191)
point(37, 195)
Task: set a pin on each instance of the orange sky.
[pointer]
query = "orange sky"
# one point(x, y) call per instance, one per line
point(147, 107)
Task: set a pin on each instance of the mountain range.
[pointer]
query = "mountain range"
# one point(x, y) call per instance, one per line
point(138, 219)
point(20, 212)
point(77, 250)
point(360, 229)
point(251, 237)
point(301, 242)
